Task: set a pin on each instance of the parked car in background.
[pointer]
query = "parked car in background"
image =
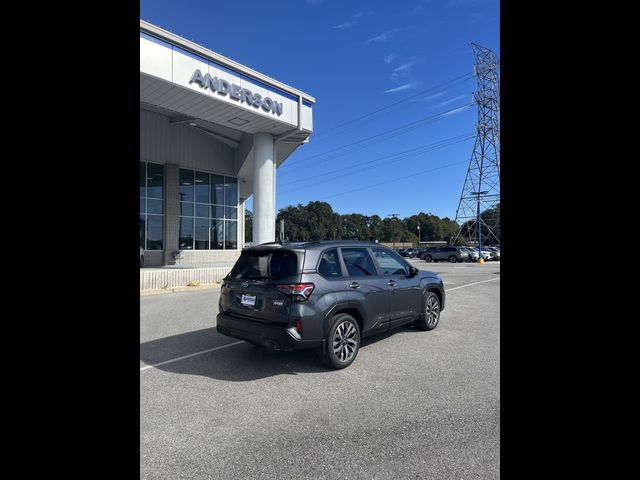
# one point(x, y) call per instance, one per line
point(473, 256)
point(427, 251)
point(486, 255)
point(448, 254)
point(495, 252)
point(325, 295)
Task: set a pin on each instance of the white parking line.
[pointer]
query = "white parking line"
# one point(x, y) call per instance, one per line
point(191, 355)
point(238, 343)
point(474, 283)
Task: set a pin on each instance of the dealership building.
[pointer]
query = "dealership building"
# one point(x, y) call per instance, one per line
point(212, 133)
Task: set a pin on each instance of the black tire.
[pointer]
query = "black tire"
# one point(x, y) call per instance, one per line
point(452, 259)
point(428, 259)
point(430, 316)
point(344, 333)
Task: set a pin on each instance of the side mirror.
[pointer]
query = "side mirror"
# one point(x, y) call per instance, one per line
point(413, 271)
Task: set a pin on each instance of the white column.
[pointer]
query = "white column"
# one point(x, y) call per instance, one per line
point(264, 189)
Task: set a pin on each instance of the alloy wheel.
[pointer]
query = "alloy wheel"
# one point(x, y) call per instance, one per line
point(345, 341)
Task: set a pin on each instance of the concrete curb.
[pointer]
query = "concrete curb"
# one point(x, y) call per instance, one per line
point(211, 286)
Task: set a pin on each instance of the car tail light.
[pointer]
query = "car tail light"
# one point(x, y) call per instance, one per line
point(298, 291)
point(299, 326)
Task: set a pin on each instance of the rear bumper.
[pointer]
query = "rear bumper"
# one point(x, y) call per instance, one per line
point(279, 338)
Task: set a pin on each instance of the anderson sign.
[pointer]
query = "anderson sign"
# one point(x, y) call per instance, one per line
point(234, 91)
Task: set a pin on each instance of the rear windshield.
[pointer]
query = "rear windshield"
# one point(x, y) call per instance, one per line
point(265, 265)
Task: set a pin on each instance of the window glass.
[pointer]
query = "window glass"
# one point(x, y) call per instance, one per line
point(186, 209)
point(142, 230)
point(202, 211)
point(329, 264)
point(231, 213)
point(154, 206)
point(217, 189)
point(201, 233)
point(230, 191)
point(154, 232)
point(186, 233)
point(155, 180)
point(151, 205)
point(266, 264)
point(389, 264)
point(217, 234)
point(358, 262)
point(231, 234)
point(206, 222)
point(217, 211)
point(186, 185)
point(143, 179)
point(201, 187)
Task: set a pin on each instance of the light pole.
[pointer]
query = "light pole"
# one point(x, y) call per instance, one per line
point(418, 236)
point(393, 228)
point(479, 226)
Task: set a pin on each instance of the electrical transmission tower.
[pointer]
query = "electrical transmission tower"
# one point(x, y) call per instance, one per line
point(478, 212)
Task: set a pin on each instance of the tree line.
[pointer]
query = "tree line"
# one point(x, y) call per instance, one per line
point(318, 221)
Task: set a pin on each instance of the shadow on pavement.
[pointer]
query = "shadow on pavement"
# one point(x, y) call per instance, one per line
point(238, 363)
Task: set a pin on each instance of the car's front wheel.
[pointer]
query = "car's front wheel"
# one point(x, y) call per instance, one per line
point(430, 312)
point(452, 259)
point(427, 259)
point(343, 342)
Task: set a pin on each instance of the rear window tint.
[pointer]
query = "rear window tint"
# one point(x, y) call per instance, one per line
point(265, 265)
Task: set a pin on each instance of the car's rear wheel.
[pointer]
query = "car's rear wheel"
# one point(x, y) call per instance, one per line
point(428, 258)
point(343, 342)
point(430, 312)
point(452, 259)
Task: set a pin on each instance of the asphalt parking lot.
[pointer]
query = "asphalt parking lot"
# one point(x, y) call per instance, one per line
point(413, 405)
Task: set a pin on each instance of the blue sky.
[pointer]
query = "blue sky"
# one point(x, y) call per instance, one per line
point(356, 57)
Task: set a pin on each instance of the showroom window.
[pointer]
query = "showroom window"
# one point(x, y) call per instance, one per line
point(151, 205)
point(208, 211)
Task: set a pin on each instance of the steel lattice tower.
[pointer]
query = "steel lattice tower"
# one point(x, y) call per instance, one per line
point(480, 197)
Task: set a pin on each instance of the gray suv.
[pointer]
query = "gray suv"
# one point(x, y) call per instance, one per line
point(325, 295)
point(448, 254)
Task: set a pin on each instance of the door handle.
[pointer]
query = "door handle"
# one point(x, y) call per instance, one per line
point(354, 285)
point(391, 283)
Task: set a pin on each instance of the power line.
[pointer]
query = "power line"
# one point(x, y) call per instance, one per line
point(461, 79)
point(395, 179)
point(400, 156)
point(404, 153)
point(380, 137)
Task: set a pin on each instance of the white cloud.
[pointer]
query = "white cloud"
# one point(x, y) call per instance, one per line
point(430, 97)
point(404, 87)
point(457, 110)
point(350, 23)
point(384, 36)
point(405, 67)
point(451, 100)
point(390, 58)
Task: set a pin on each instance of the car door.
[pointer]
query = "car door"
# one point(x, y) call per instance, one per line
point(368, 289)
point(405, 294)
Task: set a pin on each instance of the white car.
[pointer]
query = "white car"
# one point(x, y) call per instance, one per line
point(486, 255)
